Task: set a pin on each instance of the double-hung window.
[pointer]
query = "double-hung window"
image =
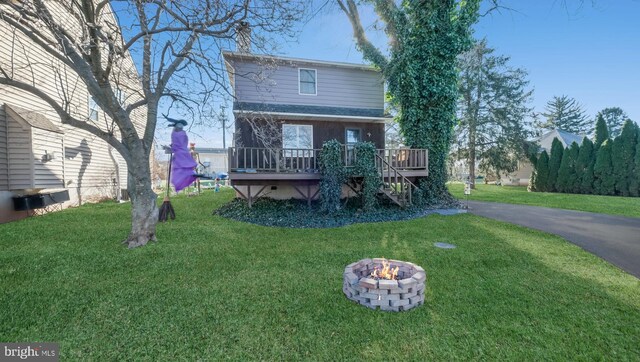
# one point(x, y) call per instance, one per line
point(297, 137)
point(308, 81)
point(93, 110)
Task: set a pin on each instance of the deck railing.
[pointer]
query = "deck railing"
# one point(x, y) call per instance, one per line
point(257, 159)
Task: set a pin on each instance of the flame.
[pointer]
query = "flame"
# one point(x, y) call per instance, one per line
point(386, 272)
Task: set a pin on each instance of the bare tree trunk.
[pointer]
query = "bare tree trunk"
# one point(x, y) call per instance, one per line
point(472, 154)
point(144, 211)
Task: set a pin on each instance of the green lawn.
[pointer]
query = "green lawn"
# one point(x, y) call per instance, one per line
point(212, 288)
point(614, 205)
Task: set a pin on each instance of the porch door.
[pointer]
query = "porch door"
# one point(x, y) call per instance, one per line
point(352, 136)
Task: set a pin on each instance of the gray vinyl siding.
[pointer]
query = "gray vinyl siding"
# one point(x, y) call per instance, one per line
point(336, 87)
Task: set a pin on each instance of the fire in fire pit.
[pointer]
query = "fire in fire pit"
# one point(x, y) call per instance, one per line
point(392, 285)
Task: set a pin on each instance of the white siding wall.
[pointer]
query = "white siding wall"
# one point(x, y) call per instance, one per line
point(83, 163)
point(4, 165)
point(19, 155)
point(47, 174)
point(336, 87)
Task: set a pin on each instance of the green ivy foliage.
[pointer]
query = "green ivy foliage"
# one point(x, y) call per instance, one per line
point(333, 176)
point(421, 72)
point(365, 168)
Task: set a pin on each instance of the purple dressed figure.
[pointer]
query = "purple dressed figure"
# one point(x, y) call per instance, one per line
point(182, 164)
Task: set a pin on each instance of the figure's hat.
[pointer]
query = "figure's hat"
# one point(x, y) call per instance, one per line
point(173, 122)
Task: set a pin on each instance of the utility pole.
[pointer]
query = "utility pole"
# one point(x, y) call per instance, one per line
point(223, 119)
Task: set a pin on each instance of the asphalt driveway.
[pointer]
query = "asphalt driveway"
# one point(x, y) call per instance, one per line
point(613, 238)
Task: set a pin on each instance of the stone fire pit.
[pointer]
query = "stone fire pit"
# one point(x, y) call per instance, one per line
point(405, 293)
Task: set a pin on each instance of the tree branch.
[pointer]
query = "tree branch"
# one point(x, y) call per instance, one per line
point(369, 51)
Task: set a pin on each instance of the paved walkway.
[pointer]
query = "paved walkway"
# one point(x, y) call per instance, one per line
point(613, 238)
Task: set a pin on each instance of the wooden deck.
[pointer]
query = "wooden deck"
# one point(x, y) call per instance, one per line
point(258, 168)
point(279, 164)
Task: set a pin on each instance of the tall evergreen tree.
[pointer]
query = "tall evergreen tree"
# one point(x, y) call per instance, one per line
point(493, 108)
point(602, 132)
point(554, 163)
point(573, 185)
point(624, 149)
point(567, 114)
point(634, 185)
point(584, 167)
point(542, 172)
point(562, 182)
point(614, 117)
point(604, 183)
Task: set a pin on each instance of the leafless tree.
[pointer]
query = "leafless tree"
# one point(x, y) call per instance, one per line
point(98, 44)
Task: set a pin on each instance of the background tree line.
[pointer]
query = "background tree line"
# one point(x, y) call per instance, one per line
point(604, 166)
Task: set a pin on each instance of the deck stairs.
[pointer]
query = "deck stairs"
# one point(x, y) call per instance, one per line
point(395, 186)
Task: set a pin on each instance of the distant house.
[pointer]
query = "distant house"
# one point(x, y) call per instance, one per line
point(41, 156)
point(522, 175)
point(213, 160)
point(285, 109)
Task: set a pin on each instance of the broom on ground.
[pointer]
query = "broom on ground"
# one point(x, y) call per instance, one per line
point(166, 209)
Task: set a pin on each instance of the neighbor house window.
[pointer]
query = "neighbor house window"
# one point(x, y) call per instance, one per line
point(93, 109)
point(298, 137)
point(308, 84)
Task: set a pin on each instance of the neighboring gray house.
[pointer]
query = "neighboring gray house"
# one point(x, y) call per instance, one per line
point(40, 155)
point(285, 109)
point(523, 174)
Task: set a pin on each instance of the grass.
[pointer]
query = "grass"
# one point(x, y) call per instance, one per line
point(613, 205)
point(213, 288)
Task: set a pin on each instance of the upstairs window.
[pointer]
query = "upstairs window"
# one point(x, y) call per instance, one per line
point(93, 110)
point(308, 84)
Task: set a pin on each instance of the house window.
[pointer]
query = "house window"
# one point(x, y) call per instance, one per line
point(308, 83)
point(93, 109)
point(297, 137)
point(121, 96)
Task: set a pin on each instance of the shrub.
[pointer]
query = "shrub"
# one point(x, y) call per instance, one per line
point(333, 176)
point(365, 167)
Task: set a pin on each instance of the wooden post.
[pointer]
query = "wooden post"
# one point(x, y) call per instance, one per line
point(249, 198)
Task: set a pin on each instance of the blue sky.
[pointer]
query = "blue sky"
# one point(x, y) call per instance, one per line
point(590, 53)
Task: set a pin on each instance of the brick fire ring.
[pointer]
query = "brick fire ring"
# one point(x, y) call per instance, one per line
point(390, 295)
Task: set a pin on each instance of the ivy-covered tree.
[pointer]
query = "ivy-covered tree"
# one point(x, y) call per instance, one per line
point(554, 163)
point(542, 172)
point(614, 117)
point(602, 131)
point(567, 114)
point(492, 109)
point(624, 149)
point(567, 174)
point(584, 167)
point(604, 183)
point(425, 39)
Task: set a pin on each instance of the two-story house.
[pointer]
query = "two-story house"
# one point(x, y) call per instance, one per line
point(40, 156)
point(285, 109)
